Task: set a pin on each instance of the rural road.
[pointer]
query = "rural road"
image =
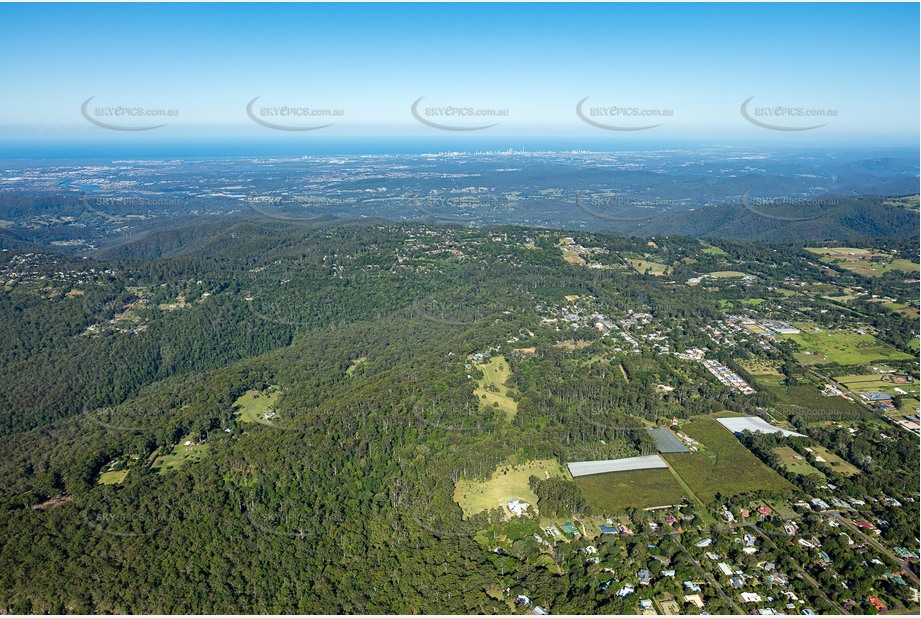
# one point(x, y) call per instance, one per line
point(878, 546)
point(708, 576)
point(802, 573)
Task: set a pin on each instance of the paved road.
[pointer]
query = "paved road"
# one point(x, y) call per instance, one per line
point(878, 546)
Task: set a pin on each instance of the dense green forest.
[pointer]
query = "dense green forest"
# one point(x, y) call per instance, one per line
point(343, 501)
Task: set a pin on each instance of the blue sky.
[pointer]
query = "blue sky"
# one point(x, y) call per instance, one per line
point(537, 61)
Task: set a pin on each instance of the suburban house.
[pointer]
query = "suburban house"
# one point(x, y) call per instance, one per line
point(695, 600)
point(517, 507)
point(875, 602)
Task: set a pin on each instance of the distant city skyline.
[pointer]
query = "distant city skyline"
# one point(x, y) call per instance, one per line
point(471, 76)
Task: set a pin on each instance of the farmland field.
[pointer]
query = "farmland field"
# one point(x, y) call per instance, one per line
point(507, 483)
point(809, 402)
point(842, 347)
point(723, 465)
point(615, 492)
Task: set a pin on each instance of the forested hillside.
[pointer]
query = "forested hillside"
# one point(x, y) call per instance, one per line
point(261, 417)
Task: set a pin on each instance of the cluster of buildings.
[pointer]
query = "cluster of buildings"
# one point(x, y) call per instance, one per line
point(728, 377)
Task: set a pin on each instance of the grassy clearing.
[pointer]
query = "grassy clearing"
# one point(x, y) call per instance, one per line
point(253, 404)
point(570, 255)
point(760, 367)
point(711, 250)
point(726, 274)
point(902, 308)
point(571, 344)
point(885, 383)
point(506, 483)
point(179, 303)
point(642, 266)
point(355, 363)
point(843, 347)
point(492, 391)
point(795, 463)
point(905, 266)
point(113, 477)
point(909, 202)
point(181, 454)
point(865, 262)
point(837, 464)
point(783, 509)
point(615, 492)
point(722, 466)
